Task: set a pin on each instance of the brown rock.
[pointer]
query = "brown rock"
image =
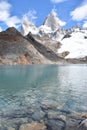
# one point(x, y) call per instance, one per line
point(33, 126)
point(79, 115)
point(65, 53)
point(23, 60)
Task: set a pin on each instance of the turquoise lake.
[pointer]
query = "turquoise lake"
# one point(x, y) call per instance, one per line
point(32, 85)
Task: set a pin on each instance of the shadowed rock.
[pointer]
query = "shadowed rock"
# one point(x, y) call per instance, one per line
point(45, 51)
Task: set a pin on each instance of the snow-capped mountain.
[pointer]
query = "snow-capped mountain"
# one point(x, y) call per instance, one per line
point(49, 27)
point(52, 21)
point(27, 27)
point(73, 41)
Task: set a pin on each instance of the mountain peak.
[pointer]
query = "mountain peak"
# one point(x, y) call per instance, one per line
point(10, 31)
point(52, 21)
point(27, 27)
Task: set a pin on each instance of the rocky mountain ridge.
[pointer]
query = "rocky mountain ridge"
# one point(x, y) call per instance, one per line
point(50, 27)
point(73, 41)
point(47, 44)
point(17, 49)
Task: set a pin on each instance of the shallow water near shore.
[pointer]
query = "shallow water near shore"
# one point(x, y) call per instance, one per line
point(31, 87)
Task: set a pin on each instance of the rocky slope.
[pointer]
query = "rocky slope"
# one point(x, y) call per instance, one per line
point(47, 44)
point(16, 49)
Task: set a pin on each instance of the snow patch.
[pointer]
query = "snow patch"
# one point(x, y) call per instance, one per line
point(76, 45)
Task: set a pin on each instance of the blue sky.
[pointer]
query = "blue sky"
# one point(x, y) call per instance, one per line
point(71, 12)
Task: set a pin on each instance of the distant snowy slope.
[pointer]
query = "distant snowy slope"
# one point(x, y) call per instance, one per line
point(76, 45)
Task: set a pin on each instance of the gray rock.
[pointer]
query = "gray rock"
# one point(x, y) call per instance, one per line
point(38, 115)
point(72, 123)
point(52, 115)
point(10, 128)
point(62, 117)
point(55, 124)
point(56, 115)
point(83, 125)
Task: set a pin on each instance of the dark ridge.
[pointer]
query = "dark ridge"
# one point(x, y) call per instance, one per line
point(45, 51)
point(66, 36)
point(10, 31)
point(10, 35)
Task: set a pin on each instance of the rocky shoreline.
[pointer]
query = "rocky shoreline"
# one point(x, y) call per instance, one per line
point(45, 117)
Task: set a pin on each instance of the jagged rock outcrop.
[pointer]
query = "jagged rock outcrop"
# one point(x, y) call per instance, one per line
point(49, 27)
point(52, 21)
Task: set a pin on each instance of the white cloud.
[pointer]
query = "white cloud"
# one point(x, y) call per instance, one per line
point(5, 15)
point(13, 21)
point(85, 24)
point(0, 29)
point(4, 5)
point(30, 16)
point(4, 10)
point(58, 1)
point(61, 22)
point(80, 13)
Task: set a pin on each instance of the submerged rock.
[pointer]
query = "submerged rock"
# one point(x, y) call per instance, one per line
point(55, 124)
point(11, 128)
point(83, 125)
point(38, 116)
point(33, 126)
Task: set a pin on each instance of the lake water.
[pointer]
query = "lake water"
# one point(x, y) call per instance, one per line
point(32, 85)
